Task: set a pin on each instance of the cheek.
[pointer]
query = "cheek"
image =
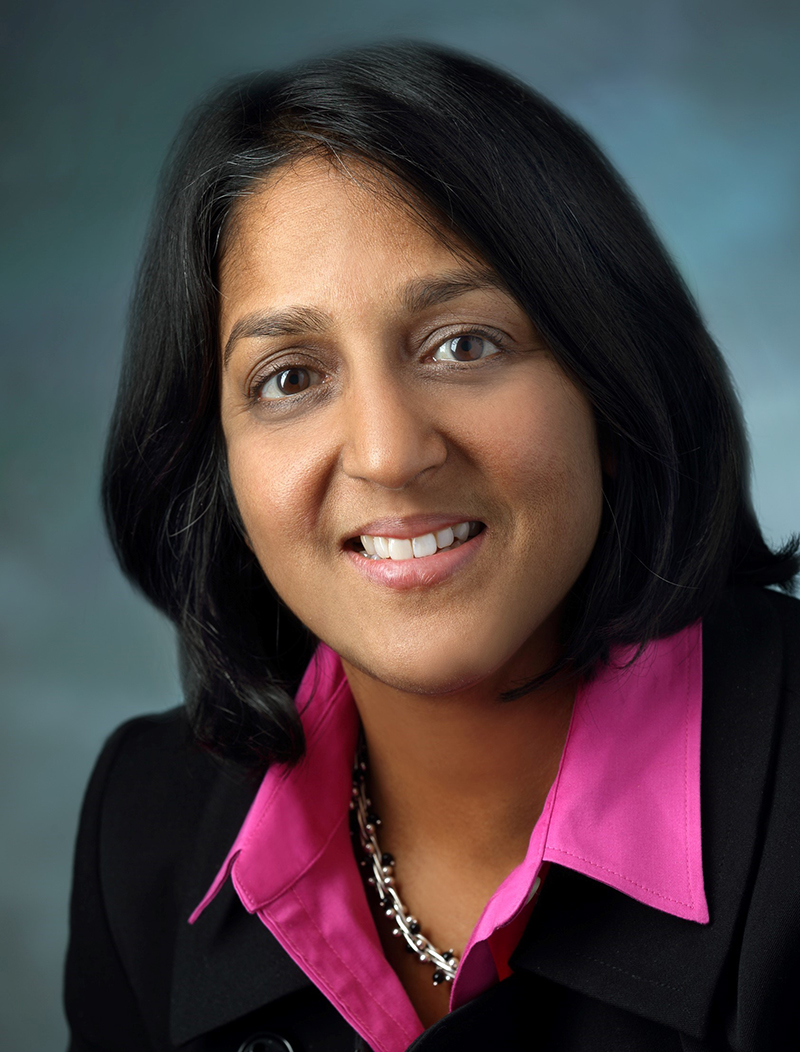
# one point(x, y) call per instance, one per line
point(274, 490)
point(549, 460)
point(550, 447)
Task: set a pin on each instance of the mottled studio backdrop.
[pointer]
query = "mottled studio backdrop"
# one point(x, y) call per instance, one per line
point(697, 102)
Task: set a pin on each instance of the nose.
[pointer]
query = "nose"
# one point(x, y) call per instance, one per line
point(390, 433)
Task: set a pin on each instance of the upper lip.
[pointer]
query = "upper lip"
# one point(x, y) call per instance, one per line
point(406, 527)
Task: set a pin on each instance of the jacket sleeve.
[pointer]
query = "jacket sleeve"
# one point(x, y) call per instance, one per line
point(767, 1012)
point(101, 1008)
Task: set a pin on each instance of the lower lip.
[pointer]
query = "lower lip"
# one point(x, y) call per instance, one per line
point(418, 573)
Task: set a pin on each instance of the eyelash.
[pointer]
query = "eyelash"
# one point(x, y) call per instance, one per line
point(491, 335)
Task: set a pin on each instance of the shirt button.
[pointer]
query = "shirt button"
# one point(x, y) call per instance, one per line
point(266, 1043)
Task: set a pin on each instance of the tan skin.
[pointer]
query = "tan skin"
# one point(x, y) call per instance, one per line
point(366, 414)
point(451, 857)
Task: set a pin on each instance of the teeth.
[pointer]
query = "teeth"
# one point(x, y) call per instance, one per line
point(444, 538)
point(381, 547)
point(400, 549)
point(418, 547)
point(425, 545)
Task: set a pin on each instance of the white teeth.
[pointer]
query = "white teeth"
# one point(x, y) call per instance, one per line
point(418, 547)
point(381, 547)
point(444, 538)
point(424, 545)
point(400, 549)
point(369, 544)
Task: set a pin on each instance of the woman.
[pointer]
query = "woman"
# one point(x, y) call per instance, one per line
point(423, 447)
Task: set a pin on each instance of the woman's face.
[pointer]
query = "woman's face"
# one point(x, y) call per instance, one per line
point(376, 383)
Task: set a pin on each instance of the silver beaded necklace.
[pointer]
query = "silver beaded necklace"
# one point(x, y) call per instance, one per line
point(381, 878)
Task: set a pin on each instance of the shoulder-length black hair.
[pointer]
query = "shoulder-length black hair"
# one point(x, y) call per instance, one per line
point(498, 166)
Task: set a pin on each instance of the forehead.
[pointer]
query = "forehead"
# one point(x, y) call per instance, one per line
point(312, 213)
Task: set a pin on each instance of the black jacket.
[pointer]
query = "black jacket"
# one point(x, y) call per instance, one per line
point(595, 971)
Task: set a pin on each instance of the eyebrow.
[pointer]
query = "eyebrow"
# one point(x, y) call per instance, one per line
point(416, 296)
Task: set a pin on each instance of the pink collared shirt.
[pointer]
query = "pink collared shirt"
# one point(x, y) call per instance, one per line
point(624, 809)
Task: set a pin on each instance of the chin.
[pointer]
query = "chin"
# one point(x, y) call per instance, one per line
point(432, 683)
point(430, 671)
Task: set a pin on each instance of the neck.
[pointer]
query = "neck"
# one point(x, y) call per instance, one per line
point(464, 772)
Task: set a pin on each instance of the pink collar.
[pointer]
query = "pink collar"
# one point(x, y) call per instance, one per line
point(624, 809)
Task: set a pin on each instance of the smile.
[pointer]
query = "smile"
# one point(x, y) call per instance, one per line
point(405, 570)
point(427, 544)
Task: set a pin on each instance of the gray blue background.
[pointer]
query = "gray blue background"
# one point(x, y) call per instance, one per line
point(696, 102)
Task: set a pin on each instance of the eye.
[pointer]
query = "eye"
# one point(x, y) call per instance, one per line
point(469, 347)
point(285, 383)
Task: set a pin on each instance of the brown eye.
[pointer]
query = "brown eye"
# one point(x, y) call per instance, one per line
point(292, 381)
point(285, 383)
point(467, 348)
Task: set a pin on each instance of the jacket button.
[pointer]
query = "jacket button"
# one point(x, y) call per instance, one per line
point(266, 1043)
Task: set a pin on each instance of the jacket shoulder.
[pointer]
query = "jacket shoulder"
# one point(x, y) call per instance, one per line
point(752, 686)
point(751, 649)
point(737, 606)
point(153, 758)
point(136, 871)
point(154, 788)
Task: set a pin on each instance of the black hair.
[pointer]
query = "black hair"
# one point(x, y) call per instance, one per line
point(491, 161)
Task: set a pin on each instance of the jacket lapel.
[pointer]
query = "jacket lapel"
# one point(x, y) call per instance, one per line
point(597, 941)
point(227, 964)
